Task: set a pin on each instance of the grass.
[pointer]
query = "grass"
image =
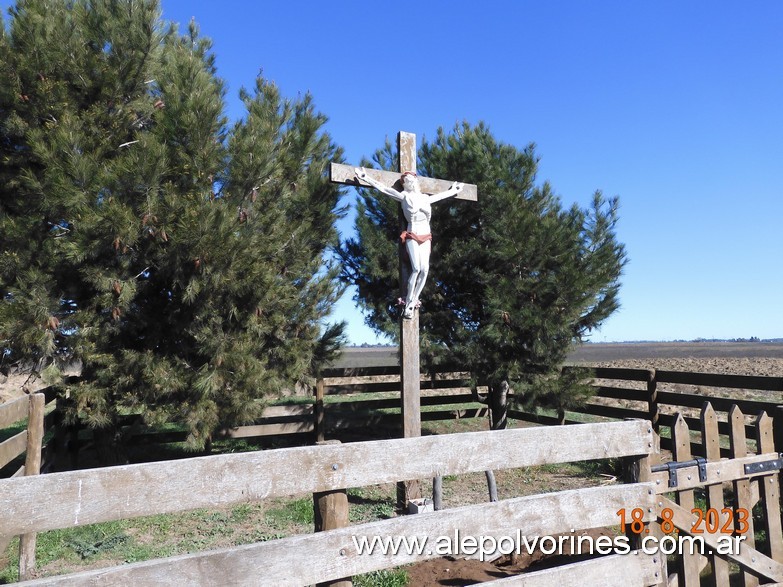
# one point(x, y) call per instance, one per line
point(393, 578)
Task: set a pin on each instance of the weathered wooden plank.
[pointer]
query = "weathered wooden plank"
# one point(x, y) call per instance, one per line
point(743, 497)
point(455, 414)
point(531, 417)
point(620, 373)
point(346, 174)
point(14, 411)
point(392, 386)
point(395, 402)
point(622, 393)
point(612, 411)
point(71, 498)
point(711, 444)
point(340, 372)
point(334, 554)
point(719, 380)
point(748, 557)
point(681, 451)
point(268, 430)
point(721, 404)
point(631, 570)
point(769, 490)
point(13, 447)
point(287, 410)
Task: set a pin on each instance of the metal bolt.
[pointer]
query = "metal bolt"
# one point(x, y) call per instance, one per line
point(342, 552)
point(334, 467)
point(689, 477)
point(658, 482)
point(649, 510)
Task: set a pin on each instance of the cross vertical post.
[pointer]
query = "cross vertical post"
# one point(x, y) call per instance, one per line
point(410, 378)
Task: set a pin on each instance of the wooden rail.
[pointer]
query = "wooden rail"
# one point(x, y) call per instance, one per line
point(368, 398)
point(68, 499)
point(77, 498)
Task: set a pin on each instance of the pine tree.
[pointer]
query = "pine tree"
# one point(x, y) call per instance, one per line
point(515, 279)
point(180, 260)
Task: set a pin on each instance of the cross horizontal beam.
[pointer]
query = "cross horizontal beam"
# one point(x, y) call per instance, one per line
point(346, 174)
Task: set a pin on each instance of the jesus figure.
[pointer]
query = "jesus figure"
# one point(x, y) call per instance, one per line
point(417, 209)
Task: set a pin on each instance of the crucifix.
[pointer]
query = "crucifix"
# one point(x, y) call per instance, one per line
point(416, 196)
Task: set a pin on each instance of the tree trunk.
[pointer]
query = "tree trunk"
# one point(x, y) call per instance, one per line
point(498, 405)
point(498, 420)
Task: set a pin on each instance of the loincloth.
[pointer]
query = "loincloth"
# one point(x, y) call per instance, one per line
point(419, 238)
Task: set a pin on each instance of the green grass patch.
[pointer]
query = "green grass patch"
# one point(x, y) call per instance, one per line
point(299, 511)
point(392, 578)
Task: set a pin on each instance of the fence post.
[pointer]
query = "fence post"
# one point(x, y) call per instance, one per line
point(639, 470)
point(681, 451)
point(32, 466)
point(498, 404)
point(710, 441)
point(769, 489)
point(652, 399)
point(437, 493)
point(777, 435)
point(318, 410)
point(330, 511)
point(743, 496)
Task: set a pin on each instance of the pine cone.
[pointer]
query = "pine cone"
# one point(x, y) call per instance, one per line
point(117, 288)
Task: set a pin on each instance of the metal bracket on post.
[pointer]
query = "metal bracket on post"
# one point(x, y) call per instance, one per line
point(673, 466)
point(764, 466)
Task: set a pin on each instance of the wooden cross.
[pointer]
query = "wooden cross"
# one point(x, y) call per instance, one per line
point(409, 328)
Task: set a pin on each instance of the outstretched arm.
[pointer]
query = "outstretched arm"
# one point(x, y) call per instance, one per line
point(361, 173)
point(455, 188)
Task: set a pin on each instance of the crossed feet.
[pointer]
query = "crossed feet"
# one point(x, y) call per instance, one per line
point(410, 308)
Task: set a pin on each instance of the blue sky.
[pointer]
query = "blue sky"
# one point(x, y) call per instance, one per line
point(675, 106)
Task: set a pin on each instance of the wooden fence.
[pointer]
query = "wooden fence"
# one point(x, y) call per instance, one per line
point(369, 399)
point(662, 396)
point(28, 442)
point(60, 500)
point(658, 500)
